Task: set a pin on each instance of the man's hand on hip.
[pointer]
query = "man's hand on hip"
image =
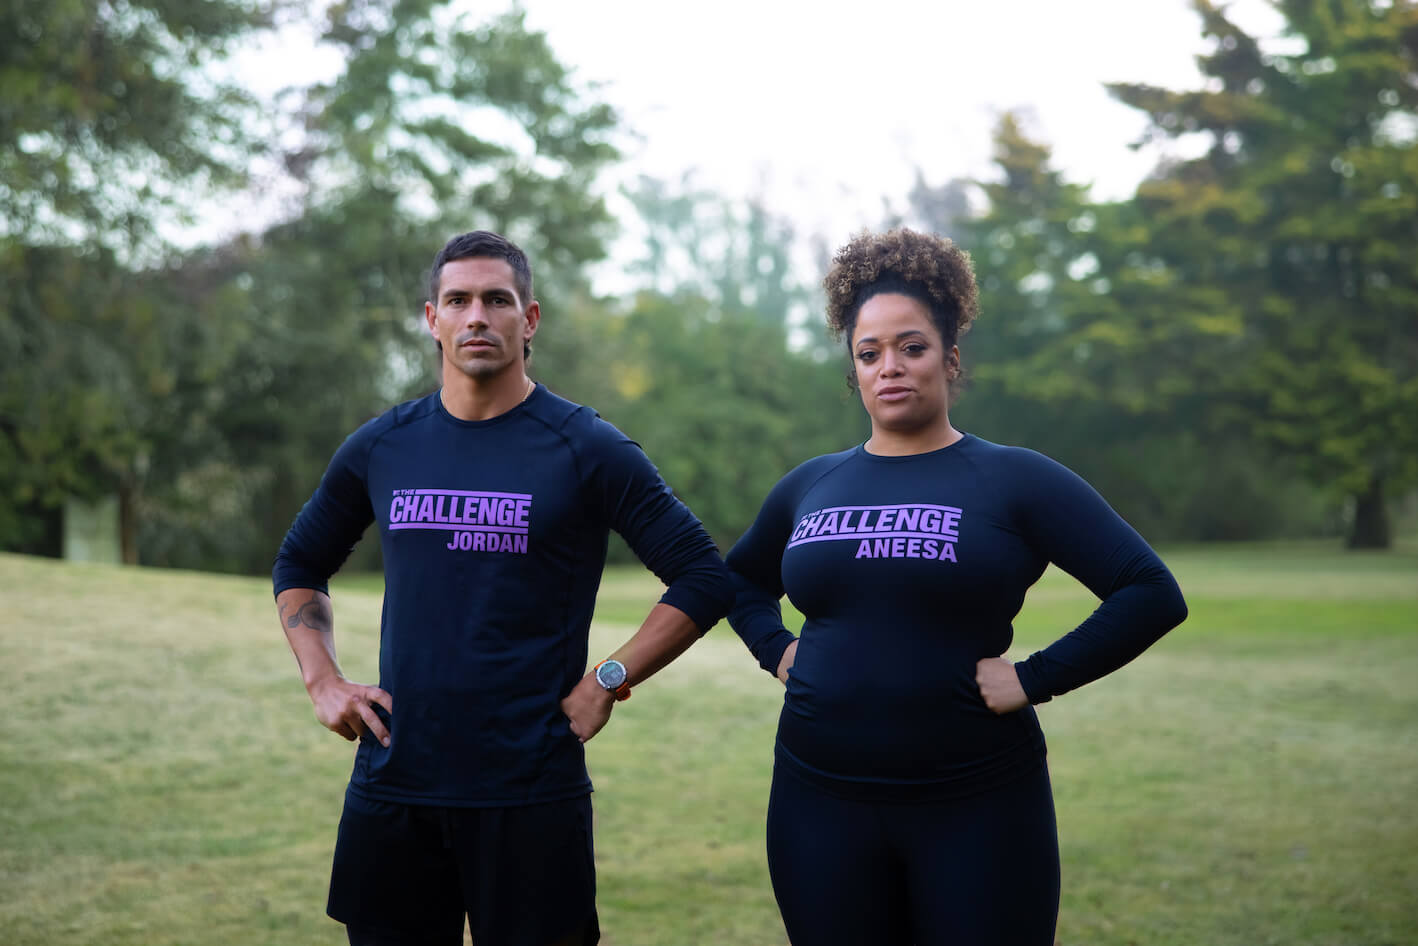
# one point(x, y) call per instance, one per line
point(588, 706)
point(347, 708)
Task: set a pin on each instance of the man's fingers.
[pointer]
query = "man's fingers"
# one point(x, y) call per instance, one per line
point(350, 709)
point(383, 697)
point(372, 722)
point(570, 720)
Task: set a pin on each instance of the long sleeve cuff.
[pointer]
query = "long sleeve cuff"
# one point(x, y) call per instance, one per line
point(705, 593)
point(287, 573)
point(1034, 688)
point(770, 652)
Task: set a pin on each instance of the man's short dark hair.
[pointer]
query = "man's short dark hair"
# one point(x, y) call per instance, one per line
point(484, 244)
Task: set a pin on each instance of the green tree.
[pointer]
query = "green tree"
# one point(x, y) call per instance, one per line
point(108, 120)
point(436, 126)
point(109, 125)
point(458, 125)
point(739, 255)
point(1086, 349)
point(212, 386)
point(711, 369)
point(723, 405)
point(1303, 211)
point(1075, 311)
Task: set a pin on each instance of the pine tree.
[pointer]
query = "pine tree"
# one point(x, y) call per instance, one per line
point(1303, 211)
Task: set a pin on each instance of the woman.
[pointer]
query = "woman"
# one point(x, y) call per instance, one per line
point(911, 800)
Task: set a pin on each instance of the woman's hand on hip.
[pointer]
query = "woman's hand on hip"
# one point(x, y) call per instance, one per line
point(999, 685)
point(786, 662)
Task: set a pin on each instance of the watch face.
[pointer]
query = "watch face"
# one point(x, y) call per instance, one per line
point(611, 674)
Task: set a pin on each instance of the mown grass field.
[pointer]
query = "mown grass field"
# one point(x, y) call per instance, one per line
point(1251, 780)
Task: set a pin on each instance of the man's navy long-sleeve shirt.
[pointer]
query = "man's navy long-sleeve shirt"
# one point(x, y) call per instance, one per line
point(494, 538)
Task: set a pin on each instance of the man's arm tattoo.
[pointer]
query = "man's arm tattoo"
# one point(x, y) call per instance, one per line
point(312, 614)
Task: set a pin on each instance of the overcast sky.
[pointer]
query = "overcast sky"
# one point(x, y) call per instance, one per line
point(825, 110)
point(827, 107)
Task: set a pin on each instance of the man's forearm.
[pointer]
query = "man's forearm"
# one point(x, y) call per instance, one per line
point(308, 619)
point(342, 706)
point(666, 633)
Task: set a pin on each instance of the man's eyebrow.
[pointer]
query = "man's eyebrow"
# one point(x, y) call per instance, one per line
point(490, 291)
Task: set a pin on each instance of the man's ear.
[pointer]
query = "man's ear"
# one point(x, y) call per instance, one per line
point(533, 316)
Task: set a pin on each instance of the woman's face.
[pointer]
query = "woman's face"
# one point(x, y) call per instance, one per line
point(903, 366)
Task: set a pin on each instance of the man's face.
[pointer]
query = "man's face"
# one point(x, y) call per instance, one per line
point(479, 319)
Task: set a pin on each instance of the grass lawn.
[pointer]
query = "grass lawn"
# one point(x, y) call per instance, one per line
point(1253, 779)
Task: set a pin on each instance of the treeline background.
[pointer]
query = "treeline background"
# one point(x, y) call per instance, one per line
point(1229, 354)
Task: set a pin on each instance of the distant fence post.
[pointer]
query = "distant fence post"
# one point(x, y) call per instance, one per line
point(91, 532)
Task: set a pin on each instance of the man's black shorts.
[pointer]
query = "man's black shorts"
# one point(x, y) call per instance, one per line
point(523, 876)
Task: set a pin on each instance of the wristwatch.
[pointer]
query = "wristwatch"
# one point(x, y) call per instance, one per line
point(611, 675)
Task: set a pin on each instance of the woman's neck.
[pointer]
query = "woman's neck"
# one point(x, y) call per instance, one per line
point(905, 443)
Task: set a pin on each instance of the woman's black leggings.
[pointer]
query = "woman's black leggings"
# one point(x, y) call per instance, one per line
point(975, 871)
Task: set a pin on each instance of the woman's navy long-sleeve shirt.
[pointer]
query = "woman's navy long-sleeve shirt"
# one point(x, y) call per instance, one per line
point(908, 571)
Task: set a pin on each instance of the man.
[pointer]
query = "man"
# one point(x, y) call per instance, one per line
point(494, 497)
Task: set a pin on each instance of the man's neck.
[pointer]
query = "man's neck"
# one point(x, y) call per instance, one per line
point(483, 399)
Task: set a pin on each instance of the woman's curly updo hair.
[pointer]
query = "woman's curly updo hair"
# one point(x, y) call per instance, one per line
point(930, 269)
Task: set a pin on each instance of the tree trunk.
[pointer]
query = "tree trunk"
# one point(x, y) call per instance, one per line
point(128, 524)
point(1371, 529)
